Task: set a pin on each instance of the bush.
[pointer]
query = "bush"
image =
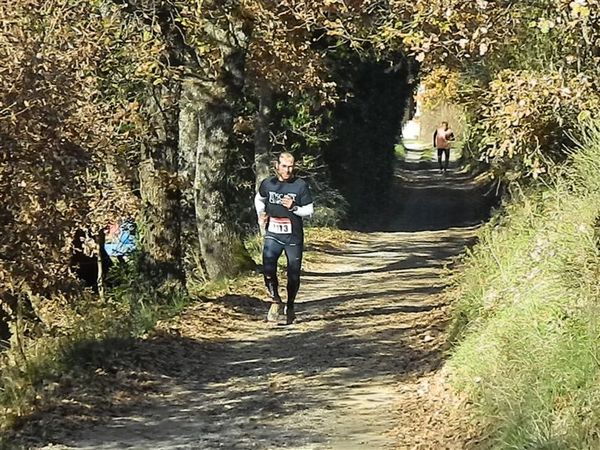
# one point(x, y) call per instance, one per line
point(526, 116)
point(330, 208)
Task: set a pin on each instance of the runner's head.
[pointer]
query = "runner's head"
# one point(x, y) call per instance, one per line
point(445, 125)
point(285, 166)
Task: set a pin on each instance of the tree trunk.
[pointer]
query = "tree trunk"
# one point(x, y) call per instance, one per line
point(100, 240)
point(160, 191)
point(206, 128)
point(262, 142)
point(4, 327)
point(188, 142)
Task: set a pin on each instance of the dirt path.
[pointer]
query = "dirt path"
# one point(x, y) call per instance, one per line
point(358, 370)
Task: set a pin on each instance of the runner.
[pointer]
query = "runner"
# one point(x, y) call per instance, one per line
point(281, 202)
point(441, 141)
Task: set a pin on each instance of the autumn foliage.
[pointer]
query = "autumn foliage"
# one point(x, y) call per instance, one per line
point(61, 148)
point(89, 100)
point(525, 73)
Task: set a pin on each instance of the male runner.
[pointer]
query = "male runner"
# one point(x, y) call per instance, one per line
point(441, 141)
point(281, 202)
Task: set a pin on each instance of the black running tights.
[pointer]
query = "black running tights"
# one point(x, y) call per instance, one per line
point(271, 252)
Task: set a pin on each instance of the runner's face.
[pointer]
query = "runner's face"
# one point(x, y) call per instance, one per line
point(285, 169)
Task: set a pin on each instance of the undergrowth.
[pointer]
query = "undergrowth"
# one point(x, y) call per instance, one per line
point(526, 313)
point(32, 368)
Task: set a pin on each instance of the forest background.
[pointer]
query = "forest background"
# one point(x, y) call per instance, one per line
point(170, 111)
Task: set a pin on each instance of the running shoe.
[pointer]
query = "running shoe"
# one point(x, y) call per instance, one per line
point(289, 315)
point(274, 312)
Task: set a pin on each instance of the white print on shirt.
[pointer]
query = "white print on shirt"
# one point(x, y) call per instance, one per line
point(280, 225)
point(276, 197)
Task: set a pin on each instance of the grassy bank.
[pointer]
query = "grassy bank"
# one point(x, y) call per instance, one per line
point(527, 313)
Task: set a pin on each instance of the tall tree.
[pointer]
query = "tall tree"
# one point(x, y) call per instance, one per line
point(209, 93)
point(262, 138)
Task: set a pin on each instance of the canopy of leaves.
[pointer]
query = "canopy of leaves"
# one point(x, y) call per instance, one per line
point(62, 138)
point(76, 77)
point(525, 71)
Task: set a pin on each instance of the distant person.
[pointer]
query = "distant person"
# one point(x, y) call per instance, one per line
point(281, 202)
point(442, 137)
point(120, 239)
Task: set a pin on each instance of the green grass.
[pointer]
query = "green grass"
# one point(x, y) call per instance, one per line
point(427, 154)
point(400, 151)
point(527, 314)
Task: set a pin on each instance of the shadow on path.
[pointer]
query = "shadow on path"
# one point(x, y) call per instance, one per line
point(423, 199)
point(370, 321)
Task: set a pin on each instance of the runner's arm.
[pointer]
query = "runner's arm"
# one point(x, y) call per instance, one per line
point(434, 136)
point(260, 203)
point(303, 211)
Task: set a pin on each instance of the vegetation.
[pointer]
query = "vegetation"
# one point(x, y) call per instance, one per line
point(34, 367)
point(400, 151)
point(524, 73)
point(525, 299)
point(170, 111)
point(526, 312)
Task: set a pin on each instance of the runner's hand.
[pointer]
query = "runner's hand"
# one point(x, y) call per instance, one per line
point(262, 223)
point(287, 202)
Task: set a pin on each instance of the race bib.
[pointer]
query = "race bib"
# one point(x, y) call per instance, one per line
point(280, 225)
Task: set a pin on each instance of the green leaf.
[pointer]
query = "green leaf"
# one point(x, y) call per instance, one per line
point(584, 116)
